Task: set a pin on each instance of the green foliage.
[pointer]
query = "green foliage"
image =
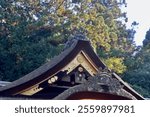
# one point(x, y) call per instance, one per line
point(33, 31)
point(141, 90)
point(138, 71)
point(116, 64)
point(24, 43)
point(146, 41)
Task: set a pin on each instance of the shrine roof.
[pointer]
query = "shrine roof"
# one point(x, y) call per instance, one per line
point(52, 67)
point(55, 65)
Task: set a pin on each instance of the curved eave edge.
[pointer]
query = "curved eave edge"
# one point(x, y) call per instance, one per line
point(52, 67)
point(56, 64)
point(85, 88)
point(36, 75)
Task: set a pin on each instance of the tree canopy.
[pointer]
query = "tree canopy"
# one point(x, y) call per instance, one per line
point(138, 72)
point(34, 31)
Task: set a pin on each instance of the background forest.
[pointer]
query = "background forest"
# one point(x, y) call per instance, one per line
point(34, 31)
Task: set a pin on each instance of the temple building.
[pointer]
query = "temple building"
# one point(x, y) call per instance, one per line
point(77, 73)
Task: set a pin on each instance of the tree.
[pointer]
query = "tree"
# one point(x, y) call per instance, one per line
point(138, 72)
point(146, 41)
point(33, 31)
point(24, 44)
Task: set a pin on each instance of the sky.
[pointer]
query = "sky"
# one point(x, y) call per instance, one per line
point(139, 11)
